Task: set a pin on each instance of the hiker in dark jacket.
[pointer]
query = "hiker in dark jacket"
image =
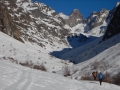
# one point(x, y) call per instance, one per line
point(94, 75)
point(100, 76)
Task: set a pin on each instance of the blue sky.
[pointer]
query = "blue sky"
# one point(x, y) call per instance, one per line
point(84, 6)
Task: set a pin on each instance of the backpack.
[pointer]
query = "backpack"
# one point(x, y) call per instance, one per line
point(95, 74)
point(100, 76)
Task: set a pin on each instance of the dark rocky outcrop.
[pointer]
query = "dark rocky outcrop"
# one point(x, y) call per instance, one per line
point(7, 25)
point(114, 25)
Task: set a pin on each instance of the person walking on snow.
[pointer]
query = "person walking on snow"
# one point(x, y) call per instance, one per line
point(94, 75)
point(100, 76)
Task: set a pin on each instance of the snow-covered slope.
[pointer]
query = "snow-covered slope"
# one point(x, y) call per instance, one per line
point(91, 49)
point(15, 51)
point(71, 55)
point(15, 77)
point(43, 30)
point(95, 56)
point(101, 54)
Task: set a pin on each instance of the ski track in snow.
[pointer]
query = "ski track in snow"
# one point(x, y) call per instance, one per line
point(23, 82)
point(16, 77)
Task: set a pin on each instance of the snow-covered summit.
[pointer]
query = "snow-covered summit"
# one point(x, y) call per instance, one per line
point(74, 18)
point(97, 18)
point(77, 22)
point(63, 16)
point(17, 1)
point(118, 3)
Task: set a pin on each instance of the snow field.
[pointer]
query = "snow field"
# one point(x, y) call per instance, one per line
point(16, 77)
point(26, 52)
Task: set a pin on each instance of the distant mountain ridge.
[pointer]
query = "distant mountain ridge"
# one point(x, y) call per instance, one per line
point(39, 24)
point(94, 20)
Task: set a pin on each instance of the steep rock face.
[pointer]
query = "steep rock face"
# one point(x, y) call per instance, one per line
point(75, 18)
point(7, 25)
point(35, 22)
point(114, 25)
point(97, 18)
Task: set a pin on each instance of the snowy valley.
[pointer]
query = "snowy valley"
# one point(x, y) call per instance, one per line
point(46, 50)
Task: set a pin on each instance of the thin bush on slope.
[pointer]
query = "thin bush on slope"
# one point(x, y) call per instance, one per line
point(66, 71)
point(116, 79)
point(34, 66)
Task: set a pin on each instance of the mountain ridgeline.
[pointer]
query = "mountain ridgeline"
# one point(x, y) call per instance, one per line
point(39, 24)
point(95, 19)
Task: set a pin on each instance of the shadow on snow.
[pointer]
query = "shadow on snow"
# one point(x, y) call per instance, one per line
point(75, 42)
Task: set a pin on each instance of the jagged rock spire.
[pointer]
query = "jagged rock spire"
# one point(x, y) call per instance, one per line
point(74, 18)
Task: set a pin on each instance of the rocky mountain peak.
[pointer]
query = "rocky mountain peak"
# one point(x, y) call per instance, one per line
point(74, 18)
point(97, 18)
point(103, 10)
point(76, 13)
point(118, 3)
